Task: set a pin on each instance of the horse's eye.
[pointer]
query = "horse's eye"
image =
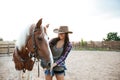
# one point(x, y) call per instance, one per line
point(39, 38)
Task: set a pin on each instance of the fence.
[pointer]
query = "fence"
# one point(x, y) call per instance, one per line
point(107, 45)
point(7, 47)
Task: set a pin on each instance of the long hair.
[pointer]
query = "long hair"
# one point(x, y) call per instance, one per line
point(66, 39)
point(54, 41)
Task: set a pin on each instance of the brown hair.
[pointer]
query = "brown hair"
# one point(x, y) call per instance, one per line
point(55, 40)
point(66, 39)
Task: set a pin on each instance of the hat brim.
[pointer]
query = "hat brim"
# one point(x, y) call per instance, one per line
point(57, 31)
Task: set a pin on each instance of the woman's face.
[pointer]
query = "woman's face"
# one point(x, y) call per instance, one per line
point(61, 35)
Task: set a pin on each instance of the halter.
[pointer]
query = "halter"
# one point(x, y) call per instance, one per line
point(35, 55)
point(34, 45)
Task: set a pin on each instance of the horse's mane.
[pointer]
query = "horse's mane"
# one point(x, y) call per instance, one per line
point(21, 41)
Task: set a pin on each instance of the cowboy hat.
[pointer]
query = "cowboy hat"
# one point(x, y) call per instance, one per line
point(62, 29)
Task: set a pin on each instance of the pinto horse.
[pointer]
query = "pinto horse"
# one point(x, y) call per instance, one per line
point(32, 45)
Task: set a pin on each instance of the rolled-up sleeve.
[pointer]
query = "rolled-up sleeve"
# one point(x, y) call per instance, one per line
point(63, 57)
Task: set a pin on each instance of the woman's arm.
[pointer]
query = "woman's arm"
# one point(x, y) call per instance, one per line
point(63, 57)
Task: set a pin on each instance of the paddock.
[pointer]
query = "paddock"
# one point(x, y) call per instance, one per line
point(81, 65)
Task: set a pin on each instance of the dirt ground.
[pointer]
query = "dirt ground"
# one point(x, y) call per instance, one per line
point(81, 65)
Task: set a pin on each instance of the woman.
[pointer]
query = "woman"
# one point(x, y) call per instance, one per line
point(60, 48)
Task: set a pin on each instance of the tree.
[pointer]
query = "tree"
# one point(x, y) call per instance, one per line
point(83, 43)
point(112, 36)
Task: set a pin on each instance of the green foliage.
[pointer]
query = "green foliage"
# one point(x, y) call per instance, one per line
point(112, 36)
point(83, 43)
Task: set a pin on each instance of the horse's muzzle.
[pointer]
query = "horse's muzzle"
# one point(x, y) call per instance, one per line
point(45, 64)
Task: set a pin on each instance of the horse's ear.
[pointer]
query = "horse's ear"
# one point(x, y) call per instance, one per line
point(47, 25)
point(39, 23)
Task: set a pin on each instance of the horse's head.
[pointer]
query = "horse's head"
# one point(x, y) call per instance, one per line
point(38, 44)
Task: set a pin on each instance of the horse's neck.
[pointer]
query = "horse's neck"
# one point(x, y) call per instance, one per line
point(32, 28)
point(23, 52)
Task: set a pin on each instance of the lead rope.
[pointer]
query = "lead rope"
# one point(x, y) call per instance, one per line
point(38, 68)
point(34, 46)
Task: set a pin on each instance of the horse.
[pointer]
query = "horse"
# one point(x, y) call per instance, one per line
point(32, 46)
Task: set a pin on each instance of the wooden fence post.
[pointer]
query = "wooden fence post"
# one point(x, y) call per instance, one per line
point(8, 49)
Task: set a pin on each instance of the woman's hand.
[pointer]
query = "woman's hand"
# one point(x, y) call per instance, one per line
point(52, 66)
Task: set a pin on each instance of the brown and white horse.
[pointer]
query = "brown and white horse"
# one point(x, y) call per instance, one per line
point(31, 46)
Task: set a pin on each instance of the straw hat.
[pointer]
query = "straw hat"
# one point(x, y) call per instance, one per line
point(62, 29)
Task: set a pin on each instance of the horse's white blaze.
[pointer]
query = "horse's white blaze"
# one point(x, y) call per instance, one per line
point(51, 57)
point(46, 38)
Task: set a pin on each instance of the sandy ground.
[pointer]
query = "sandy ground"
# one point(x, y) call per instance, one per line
point(81, 65)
